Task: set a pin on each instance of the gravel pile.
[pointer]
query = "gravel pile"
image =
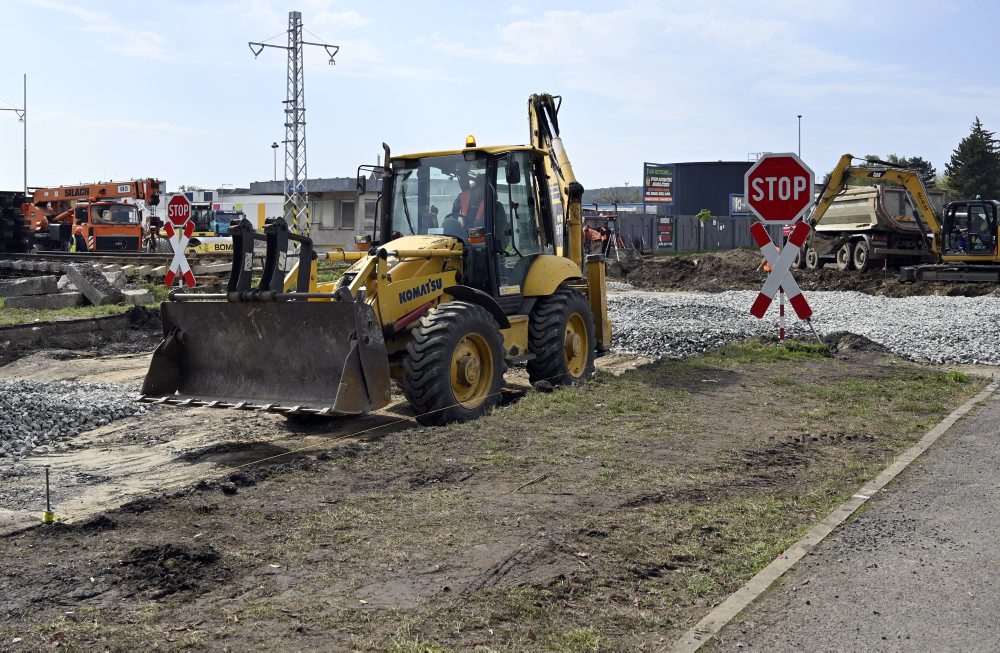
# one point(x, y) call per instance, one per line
point(35, 416)
point(619, 286)
point(929, 328)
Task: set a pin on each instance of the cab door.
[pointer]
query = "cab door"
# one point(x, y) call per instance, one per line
point(517, 238)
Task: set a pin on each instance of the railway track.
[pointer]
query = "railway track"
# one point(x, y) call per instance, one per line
point(113, 258)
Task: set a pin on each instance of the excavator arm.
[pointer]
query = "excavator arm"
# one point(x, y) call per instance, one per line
point(565, 192)
point(844, 171)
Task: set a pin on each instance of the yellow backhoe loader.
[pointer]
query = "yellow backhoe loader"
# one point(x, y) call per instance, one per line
point(464, 275)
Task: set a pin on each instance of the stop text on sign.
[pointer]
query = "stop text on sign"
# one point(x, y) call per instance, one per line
point(779, 188)
point(178, 211)
point(769, 189)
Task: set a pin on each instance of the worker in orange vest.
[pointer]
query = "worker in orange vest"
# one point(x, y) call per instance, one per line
point(469, 203)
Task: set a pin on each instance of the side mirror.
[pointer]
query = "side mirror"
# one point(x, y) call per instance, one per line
point(513, 172)
point(362, 185)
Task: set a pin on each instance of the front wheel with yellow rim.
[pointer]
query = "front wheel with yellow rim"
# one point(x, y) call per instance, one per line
point(454, 366)
point(561, 337)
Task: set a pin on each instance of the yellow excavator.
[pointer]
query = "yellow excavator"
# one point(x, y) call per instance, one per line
point(464, 275)
point(959, 243)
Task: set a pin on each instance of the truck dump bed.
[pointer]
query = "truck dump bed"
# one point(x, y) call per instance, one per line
point(875, 208)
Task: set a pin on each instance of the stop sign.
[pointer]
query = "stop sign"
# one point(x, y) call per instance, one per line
point(779, 188)
point(179, 210)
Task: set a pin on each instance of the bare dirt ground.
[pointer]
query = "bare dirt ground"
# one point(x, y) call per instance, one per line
point(738, 270)
point(605, 517)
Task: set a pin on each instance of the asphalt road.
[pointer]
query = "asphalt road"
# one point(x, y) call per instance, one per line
point(917, 570)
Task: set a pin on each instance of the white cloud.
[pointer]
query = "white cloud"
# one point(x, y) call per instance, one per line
point(114, 126)
point(117, 37)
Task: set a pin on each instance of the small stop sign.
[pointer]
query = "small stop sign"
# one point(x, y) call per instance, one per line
point(178, 210)
point(779, 188)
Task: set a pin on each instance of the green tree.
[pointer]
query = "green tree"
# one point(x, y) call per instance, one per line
point(974, 168)
point(620, 195)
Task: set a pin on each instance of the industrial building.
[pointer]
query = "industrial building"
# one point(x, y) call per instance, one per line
point(336, 210)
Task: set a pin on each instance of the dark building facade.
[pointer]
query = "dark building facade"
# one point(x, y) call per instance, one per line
point(707, 185)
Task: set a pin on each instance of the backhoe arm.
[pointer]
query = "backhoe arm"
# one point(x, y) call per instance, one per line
point(565, 191)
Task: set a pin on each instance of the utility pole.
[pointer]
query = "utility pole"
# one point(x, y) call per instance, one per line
point(296, 174)
point(800, 135)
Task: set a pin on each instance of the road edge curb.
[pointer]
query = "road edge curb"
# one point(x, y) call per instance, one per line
point(710, 625)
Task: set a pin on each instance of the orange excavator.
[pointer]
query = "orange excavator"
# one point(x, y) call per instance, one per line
point(100, 217)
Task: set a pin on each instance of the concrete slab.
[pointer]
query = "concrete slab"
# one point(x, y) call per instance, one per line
point(115, 277)
point(54, 300)
point(211, 268)
point(65, 285)
point(28, 286)
point(137, 296)
point(93, 285)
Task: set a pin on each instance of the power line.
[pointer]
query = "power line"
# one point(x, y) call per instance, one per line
point(296, 189)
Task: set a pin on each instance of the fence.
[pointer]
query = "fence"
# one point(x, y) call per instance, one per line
point(686, 233)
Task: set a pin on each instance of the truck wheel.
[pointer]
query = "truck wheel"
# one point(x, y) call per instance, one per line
point(845, 257)
point(862, 259)
point(561, 336)
point(163, 246)
point(812, 259)
point(455, 364)
point(800, 259)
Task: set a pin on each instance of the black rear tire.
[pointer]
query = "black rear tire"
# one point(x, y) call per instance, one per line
point(862, 256)
point(455, 364)
point(812, 259)
point(800, 259)
point(561, 336)
point(845, 257)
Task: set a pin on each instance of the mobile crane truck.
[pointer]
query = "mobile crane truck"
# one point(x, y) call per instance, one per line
point(441, 307)
point(89, 217)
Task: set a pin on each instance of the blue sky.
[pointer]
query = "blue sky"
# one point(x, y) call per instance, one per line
point(171, 90)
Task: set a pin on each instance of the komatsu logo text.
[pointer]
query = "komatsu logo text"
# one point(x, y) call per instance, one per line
point(421, 290)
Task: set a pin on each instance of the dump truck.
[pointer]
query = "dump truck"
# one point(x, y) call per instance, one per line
point(858, 227)
point(476, 263)
point(863, 227)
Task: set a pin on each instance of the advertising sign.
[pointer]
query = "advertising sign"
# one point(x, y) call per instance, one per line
point(658, 183)
point(738, 205)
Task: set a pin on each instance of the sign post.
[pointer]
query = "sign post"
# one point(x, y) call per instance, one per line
point(779, 190)
point(179, 229)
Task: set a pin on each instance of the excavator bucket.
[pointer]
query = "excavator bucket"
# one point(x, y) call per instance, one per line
point(291, 357)
point(258, 347)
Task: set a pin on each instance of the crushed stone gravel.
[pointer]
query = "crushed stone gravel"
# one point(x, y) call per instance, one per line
point(38, 416)
point(934, 329)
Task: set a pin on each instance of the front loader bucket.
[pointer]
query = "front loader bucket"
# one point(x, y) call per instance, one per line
point(292, 357)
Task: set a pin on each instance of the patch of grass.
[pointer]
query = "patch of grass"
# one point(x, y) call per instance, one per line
point(14, 316)
point(782, 380)
point(159, 290)
point(328, 274)
point(406, 645)
point(578, 639)
point(756, 351)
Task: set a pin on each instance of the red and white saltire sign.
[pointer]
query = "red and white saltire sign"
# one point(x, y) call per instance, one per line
point(179, 266)
point(781, 273)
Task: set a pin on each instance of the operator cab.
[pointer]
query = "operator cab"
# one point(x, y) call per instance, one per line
point(489, 199)
point(106, 213)
point(970, 228)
